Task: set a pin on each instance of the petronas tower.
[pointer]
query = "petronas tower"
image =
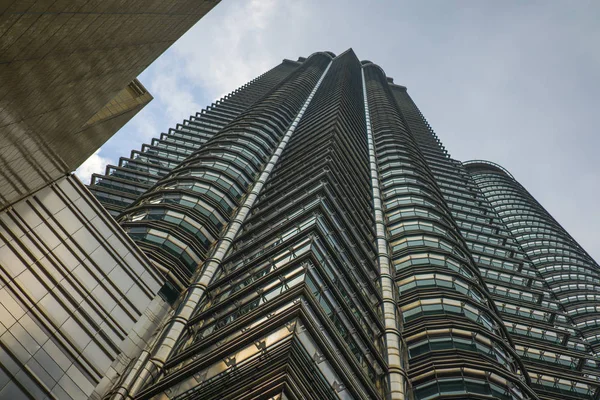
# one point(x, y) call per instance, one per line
point(317, 241)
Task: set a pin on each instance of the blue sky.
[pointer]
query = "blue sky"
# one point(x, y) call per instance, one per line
point(512, 82)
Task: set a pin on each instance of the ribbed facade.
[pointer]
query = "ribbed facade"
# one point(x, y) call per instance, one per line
point(566, 335)
point(452, 330)
point(289, 263)
point(318, 242)
point(121, 185)
point(181, 191)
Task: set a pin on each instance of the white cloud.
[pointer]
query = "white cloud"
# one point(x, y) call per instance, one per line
point(94, 164)
point(221, 56)
point(172, 90)
point(145, 125)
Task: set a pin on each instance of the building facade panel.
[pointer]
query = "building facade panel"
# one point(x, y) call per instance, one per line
point(435, 274)
point(78, 299)
point(201, 194)
point(261, 131)
point(305, 251)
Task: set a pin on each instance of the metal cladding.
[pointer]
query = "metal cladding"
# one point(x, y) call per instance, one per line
point(77, 297)
point(394, 347)
point(299, 271)
point(320, 243)
point(184, 209)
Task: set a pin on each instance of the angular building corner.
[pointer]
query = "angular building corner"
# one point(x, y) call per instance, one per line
point(68, 79)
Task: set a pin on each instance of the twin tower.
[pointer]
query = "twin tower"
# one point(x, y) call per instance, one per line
point(309, 237)
point(320, 243)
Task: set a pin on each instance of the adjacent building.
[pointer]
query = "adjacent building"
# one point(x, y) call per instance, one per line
point(78, 299)
point(68, 79)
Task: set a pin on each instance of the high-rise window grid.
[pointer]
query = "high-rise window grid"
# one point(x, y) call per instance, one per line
point(261, 213)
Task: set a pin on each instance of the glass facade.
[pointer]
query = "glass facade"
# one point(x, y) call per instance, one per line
point(78, 300)
point(455, 342)
point(318, 242)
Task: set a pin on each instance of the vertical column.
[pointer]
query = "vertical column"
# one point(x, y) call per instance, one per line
point(396, 374)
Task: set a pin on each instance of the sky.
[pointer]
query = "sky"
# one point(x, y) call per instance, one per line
point(512, 82)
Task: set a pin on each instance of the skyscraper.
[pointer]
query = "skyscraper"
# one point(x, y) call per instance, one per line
point(68, 79)
point(319, 242)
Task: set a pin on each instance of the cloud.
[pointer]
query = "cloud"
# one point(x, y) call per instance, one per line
point(94, 164)
point(171, 89)
point(222, 55)
point(145, 124)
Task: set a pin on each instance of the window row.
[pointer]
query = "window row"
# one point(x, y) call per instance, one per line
point(447, 308)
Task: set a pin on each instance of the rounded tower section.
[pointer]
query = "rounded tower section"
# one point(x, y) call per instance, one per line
point(572, 275)
point(454, 338)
